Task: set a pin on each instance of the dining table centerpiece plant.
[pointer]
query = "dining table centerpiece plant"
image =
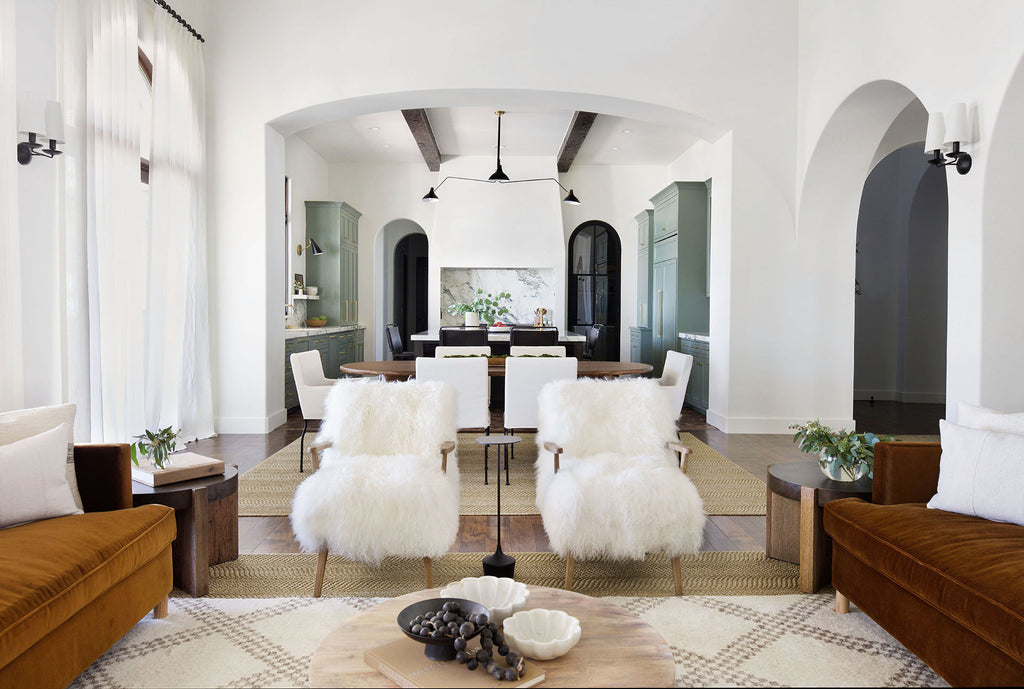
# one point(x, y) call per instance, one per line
point(485, 307)
point(156, 445)
point(842, 455)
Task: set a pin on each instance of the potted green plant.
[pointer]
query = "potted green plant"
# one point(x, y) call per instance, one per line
point(842, 455)
point(485, 307)
point(156, 445)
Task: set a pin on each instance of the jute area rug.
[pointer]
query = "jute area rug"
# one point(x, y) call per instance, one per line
point(266, 490)
point(748, 641)
point(725, 573)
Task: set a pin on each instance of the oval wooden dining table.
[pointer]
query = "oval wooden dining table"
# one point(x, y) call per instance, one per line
point(404, 370)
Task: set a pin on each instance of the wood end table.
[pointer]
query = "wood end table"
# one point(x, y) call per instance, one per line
point(206, 514)
point(796, 495)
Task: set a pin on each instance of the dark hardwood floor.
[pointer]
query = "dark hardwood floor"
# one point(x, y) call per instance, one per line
point(525, 533)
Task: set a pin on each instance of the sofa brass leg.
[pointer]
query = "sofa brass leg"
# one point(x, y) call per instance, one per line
point(160, 611)
point(428, 571)
point(842, 603)
point(321, 564)
point(677, 574)
point(570, 566)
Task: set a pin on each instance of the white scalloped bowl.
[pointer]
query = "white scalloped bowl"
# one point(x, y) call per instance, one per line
point(542, 634)
point(500, 595)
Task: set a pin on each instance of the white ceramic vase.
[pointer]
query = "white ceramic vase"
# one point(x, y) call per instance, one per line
point(472, 319)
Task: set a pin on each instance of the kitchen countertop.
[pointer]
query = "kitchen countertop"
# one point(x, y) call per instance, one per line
point(495, 336)
point(290, 333)
point(694, 336)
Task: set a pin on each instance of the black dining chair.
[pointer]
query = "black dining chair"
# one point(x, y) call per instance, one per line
point(593, 339)
point(532, 336)
point(394, 338)
point(463, 337)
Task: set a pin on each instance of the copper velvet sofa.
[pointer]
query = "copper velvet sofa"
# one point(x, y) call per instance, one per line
point(70, 587)
point(946, 585)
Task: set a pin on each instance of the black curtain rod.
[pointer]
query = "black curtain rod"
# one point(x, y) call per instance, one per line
point(181, 21)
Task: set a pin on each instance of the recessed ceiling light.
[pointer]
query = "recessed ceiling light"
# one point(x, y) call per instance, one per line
point(627, 131)
point(387, 145)
point(374, 129)
point(615, 148)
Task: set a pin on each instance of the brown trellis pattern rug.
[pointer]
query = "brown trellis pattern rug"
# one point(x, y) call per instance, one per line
point(742, 641)
point(266, 490)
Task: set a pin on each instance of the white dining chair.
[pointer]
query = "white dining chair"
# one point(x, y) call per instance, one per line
point(537, 350)
point(472, 390)
point(524, 378)
point(675, 377)
point(312, 386)
point(443, 351)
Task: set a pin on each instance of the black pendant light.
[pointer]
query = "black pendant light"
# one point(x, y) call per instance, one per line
point(500, 177)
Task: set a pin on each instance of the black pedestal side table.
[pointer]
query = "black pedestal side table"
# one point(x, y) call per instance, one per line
point(499, 564)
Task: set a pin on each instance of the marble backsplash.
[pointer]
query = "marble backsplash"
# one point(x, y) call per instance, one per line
point(530, 288)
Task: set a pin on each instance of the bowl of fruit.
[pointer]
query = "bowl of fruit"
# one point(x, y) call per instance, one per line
point(542, 634)
point(318, 322)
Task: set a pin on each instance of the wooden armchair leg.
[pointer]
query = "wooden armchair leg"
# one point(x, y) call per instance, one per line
point(160, 611)
point(570, 567)
point(677, 574)
point(842, 603)
point(321, 564)
point(428, 570)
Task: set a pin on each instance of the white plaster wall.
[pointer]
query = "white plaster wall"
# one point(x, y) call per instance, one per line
point(307, 171)
point(307, 57)
point(844, 46)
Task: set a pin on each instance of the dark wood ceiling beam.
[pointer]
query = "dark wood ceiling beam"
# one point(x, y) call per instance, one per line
point(578, 129)
point(424, 135)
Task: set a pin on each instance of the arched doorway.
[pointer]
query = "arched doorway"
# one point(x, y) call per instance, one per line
point(594, 289)
point(409, 288)
point(901, 296)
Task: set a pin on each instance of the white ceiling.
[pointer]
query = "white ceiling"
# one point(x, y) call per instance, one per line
point(384, 137)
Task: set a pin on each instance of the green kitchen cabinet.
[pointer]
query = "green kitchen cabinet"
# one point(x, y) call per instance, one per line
point(335, 227)
point(697, 391)
point(681, 212)
point(664, 331)
point(336, 348)
point(291, 346)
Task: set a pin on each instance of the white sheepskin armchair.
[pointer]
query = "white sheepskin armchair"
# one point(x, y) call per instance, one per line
point(388, 477)
point(609, 485)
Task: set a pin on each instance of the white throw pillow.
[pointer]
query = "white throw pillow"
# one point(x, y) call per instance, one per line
point(981, 473)
point(990, 419)
point(25, 423)
point(34, 485)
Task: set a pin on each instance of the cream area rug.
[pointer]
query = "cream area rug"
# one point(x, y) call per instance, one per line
point(266, 490)
point(748, 641)
point(720, 573)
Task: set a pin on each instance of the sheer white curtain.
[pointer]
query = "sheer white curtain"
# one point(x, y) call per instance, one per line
point(12, 393)
point(178, 355)
point(138, 352)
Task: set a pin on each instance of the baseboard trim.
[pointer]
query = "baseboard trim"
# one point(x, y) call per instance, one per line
point(741, 425)
point(241, 424)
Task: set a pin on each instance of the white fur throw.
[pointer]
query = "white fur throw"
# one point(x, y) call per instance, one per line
point(380, 490)
point(619, 493)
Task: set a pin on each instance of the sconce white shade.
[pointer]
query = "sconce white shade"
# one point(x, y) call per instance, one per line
point(936, 132)
point(54, 122)
point(957, 129)
point(30, 114)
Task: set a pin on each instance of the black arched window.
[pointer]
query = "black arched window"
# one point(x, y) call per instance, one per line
point(594, 284)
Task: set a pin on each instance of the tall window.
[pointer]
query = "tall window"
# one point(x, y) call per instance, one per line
point(594, 283)
point(144, 94)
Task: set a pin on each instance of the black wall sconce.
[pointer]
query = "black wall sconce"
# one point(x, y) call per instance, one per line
point(40, 124)
point(947, 133)
point(313, 247)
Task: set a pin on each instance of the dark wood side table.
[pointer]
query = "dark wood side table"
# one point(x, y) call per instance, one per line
point(797, 492)
point(206, 513)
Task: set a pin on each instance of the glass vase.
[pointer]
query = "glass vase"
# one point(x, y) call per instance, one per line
point(835, 470)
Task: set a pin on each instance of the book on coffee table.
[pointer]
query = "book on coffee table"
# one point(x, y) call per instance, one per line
point(403, 662)
point(184, 466)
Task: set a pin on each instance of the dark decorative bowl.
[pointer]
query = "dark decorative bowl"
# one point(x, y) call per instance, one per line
point(437, 649)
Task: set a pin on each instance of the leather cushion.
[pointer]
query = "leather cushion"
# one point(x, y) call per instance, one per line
point(965, 566)
point(51, 569)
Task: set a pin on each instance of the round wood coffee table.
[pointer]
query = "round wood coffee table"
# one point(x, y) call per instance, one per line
point(617, 648)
